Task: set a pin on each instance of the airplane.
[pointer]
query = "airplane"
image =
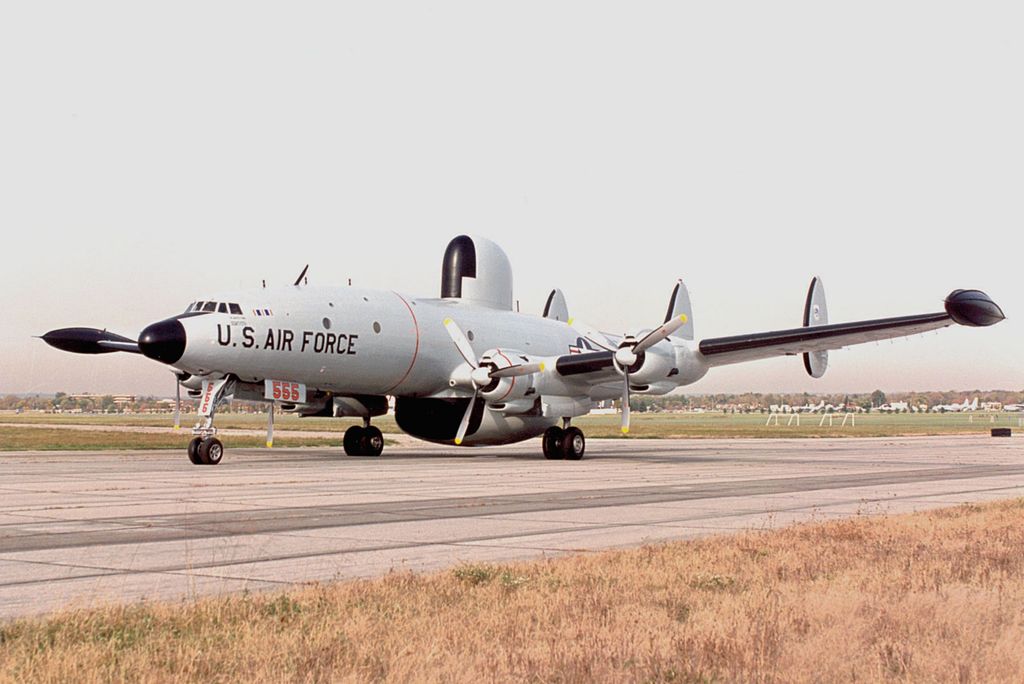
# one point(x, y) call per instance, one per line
point(810, 408)
point(464, 368)
point(967, 405)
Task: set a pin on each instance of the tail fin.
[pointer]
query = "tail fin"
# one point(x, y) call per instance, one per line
point(679, 304)
point(815, 313)
point(556, 308)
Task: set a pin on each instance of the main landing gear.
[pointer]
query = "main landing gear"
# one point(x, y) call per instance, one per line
point(205, 451)
point(363, 440)
point(568, 443)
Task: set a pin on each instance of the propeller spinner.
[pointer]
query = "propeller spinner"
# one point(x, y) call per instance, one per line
point(629, 358)
point(485, 374)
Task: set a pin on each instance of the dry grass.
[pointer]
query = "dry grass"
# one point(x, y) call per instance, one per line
point(928, 597)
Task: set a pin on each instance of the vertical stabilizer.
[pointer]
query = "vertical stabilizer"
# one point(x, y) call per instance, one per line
point(815, 313)
point(555, 308)
point(679, 304)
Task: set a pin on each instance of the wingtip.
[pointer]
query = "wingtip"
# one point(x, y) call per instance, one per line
point(973, 308)
point(458, 442)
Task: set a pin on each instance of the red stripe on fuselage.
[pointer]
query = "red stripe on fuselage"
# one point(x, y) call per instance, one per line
point(415, 353)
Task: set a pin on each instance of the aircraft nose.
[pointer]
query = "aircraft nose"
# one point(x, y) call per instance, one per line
point(163, 341)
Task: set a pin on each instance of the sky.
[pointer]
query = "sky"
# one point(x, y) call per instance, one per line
point(154, 152)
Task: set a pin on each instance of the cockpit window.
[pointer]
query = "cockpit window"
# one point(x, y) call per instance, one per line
point(190, 307)
point(235, 309)
point(210, 306)
point(222, 307)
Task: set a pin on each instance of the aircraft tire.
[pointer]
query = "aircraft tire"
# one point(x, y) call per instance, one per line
point(573, 444)
point(552, 443)
point(211, 451)
point(372, 442)
point(193, 451)
point(353, 441)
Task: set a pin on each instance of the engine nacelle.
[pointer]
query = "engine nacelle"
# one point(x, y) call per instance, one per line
point(495, 390)
point(651, 366)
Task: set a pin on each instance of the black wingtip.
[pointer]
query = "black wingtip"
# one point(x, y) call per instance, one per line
point(973, 308)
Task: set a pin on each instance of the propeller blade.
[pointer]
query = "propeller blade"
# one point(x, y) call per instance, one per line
point(89, 341)
point(625, 403)
point(518, 371)
point(658, 334)
point(461, 342)
point(177, 403)
point(464, 425)
point(270, 426)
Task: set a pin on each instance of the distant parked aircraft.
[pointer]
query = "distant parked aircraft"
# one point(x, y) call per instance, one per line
point(967, 405)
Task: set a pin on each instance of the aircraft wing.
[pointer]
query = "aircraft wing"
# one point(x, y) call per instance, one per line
point(964, 307)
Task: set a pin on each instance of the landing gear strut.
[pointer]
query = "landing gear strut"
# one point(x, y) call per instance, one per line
point(365, 440)
point(568, 443)
point(205, 448)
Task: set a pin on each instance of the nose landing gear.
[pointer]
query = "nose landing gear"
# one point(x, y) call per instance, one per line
point(205, 448)
point(564, 443)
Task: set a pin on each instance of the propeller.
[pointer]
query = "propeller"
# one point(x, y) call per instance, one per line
point(177, 402)
point(179, 377)
point(483, 375)
point(629, 357)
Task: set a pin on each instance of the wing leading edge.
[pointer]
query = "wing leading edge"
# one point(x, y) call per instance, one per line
point(965, 307)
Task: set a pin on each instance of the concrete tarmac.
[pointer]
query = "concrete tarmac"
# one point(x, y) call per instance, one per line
point(82, 528)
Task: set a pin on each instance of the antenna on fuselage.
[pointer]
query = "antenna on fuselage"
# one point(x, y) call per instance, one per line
point(301, 276)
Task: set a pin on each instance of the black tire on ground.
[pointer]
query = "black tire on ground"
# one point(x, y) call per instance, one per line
point(353, 441)
point(372, 442)
point(574, 444)
point(552, 443)
point(193, 451)
point(211, 451)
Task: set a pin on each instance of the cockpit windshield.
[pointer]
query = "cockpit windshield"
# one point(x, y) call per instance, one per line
point(222, 307)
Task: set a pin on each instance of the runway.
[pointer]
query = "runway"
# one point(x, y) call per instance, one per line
point(81, 528)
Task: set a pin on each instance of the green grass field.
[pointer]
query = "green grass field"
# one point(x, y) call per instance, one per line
point(13, 438)
point(649, 426)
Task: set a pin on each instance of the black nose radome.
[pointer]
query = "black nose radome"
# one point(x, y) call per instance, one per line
point(163, 341)
point(973, 307)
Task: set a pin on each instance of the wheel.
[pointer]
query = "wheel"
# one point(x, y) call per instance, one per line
point(353, 441)
point(573, 444)
point(193, 451)
point(211, 451)
point(372, 442)
point(552, 443)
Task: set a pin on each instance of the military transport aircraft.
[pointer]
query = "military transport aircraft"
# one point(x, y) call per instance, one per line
point(465, 368)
